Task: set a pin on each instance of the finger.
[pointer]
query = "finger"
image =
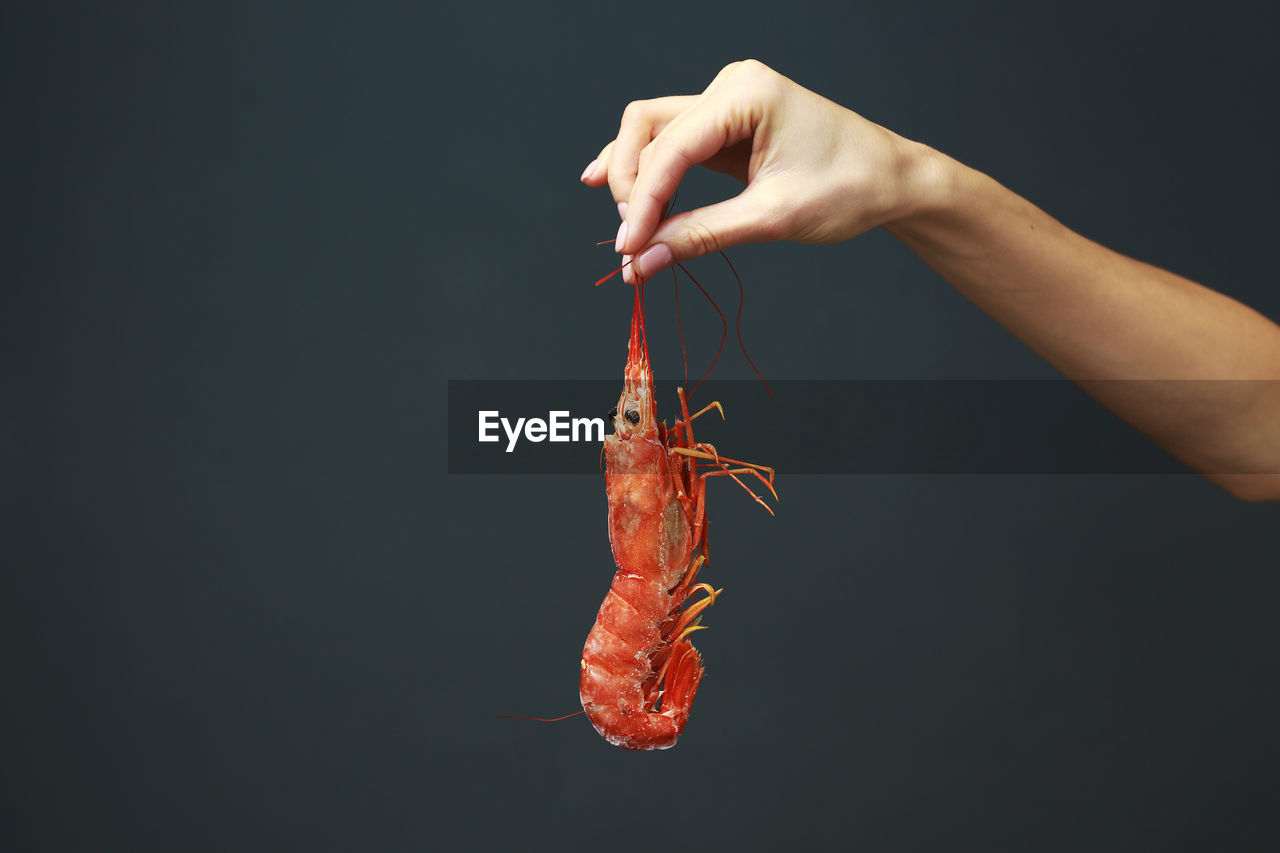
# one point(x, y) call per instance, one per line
point(712, 125)
point(641, 122)
point(597, 174)
point(746, 218)
point(597, 170)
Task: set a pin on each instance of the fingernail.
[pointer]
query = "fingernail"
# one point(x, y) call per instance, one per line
point(622, 210)
point(622, 237)
point(590, 170)
point(627, 275)
point(652, 260)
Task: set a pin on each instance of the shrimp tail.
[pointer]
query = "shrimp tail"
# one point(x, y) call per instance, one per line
point(646, 727)
point(684, 673)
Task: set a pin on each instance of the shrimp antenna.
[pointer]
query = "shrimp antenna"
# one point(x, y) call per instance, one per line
point(540, 719)
point(675, 286)
point(612, 274)
point(742, 298)
point(724, 333)
point(684, 356)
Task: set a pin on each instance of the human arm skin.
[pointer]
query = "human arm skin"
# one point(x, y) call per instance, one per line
point(816, 172)
point(1098, 316)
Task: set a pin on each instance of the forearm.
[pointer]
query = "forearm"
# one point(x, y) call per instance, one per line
point(1098, 316)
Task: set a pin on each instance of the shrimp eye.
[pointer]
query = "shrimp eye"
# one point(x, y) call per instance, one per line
point(633, 416)
point(613, 413)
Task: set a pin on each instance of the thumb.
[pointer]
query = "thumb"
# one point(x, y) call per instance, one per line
point(706, 230)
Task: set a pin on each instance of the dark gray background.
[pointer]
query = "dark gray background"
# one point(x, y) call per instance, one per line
point(246, 246)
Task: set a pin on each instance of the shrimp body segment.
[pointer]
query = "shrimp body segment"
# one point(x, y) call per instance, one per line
point(639, 671)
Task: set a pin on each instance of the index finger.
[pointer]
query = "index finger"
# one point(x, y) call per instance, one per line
point(703, 131)
point(641, 122)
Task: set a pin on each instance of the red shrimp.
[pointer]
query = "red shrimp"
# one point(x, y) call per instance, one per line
point(639, 670)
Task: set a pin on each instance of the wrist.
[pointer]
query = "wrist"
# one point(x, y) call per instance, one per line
point(927, 184)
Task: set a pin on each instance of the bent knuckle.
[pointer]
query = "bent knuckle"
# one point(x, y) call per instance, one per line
point(634, 112)
point(670, 152)
point(701, 239)
point(752, 80)
point(728, 72)
point(755, 72)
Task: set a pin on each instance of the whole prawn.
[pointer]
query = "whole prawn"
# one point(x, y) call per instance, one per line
point(640, 672)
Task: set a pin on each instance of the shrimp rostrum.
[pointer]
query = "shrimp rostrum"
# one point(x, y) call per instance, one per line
point(639, 669)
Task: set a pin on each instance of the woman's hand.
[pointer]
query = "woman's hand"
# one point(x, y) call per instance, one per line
point(814, 171)
point(818, 173)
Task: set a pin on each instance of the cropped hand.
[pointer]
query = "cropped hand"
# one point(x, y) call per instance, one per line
point(817, 173)
point(814, 171)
